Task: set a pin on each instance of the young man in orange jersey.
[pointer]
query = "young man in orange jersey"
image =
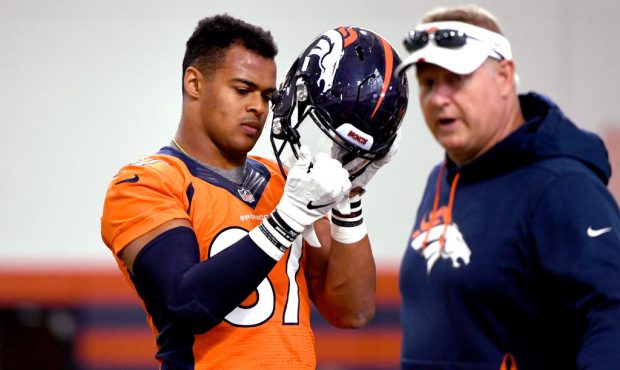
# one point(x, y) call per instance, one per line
point(211, 237)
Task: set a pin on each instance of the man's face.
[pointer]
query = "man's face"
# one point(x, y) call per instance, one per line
point(465, 113)
point(235, 101)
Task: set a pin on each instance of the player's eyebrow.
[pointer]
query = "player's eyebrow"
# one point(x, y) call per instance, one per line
point(253, 85)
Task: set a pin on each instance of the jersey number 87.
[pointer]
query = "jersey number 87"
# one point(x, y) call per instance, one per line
point(264, 307)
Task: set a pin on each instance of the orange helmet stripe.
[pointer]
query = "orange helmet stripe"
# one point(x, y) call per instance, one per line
point(349, 35)
point(389, 65)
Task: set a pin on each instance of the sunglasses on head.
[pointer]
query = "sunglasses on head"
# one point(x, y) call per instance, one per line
point(445, 38)
point(416, 40)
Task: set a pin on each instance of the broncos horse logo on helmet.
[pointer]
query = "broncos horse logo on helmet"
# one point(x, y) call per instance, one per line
point(344, 81)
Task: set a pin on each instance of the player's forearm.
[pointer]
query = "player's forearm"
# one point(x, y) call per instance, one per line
point(349, 290)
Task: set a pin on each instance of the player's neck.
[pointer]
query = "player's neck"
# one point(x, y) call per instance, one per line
point(234, 174)
point(197, 145)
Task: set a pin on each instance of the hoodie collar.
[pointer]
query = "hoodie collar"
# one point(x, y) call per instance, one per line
point(546, 133)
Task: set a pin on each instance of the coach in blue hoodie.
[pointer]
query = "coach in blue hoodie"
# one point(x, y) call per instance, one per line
point(514, 257)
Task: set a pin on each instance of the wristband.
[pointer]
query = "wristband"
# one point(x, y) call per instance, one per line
point(349, 228)
point(274, 236)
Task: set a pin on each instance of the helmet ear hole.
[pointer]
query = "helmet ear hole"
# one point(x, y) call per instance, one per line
point(302, 91)
point(277, 128)
point(360, 53)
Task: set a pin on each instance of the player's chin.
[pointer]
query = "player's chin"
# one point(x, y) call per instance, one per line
point(251, 131)
point(245, 143)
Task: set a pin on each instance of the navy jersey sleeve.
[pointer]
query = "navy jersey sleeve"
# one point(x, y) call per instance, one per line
point(576, 234)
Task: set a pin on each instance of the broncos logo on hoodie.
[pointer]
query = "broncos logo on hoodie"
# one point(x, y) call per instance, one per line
point(437, 239)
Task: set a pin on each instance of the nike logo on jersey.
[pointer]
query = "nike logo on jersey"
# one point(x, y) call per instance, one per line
point(310, 205)
point(592, 233)
point(135, 178)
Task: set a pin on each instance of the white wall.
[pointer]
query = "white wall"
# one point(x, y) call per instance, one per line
point(87, 86)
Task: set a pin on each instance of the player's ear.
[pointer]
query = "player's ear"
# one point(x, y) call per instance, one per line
point(192, 82)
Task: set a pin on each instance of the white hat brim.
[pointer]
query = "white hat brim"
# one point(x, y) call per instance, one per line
point(463, 60)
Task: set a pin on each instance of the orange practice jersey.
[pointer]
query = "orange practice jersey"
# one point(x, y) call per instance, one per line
point(271, 328)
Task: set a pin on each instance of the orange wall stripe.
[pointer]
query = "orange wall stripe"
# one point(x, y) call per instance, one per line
point(387, 288)
point(116, 348)
point(380, 346)
point(58, 288)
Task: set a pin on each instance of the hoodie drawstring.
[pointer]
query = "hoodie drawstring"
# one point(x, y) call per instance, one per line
point(448, 217)
point(508, 362)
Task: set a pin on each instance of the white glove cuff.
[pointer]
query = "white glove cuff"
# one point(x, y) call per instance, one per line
point(309, 235)
point(286, 219)
point(349, 228)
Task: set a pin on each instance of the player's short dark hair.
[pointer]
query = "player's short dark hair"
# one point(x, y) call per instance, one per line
point(207, 46)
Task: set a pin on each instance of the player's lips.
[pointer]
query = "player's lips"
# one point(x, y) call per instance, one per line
point(251, 126)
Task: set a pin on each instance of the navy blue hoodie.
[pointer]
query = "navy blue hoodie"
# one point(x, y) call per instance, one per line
point(515, 256)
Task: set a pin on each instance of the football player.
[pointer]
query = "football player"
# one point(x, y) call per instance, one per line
point(227, 250)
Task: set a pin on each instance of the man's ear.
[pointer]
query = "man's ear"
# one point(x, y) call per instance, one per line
point(506, 77)
point(192, 82)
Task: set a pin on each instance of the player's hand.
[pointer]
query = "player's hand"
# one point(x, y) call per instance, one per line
point(371, 169)
point(312, 188)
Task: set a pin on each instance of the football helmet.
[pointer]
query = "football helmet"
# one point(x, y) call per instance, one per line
point(345, 82)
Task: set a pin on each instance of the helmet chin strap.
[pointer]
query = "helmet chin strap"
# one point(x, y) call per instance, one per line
point(281, 129)
point(353, 164)
point(294, 144)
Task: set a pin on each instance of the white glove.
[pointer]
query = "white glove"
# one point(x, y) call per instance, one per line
point(312, 188)
point(309, 235)
point(363, 179)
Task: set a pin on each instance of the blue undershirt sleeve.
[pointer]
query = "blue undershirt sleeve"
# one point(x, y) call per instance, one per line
point(176, 286)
